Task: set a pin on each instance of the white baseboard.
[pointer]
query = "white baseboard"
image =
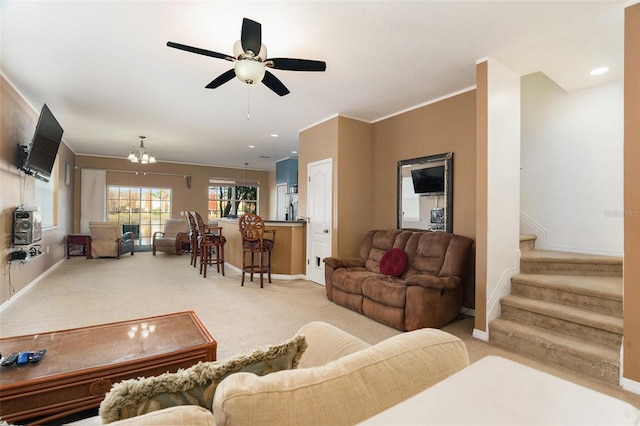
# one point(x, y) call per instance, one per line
point(273, 276)
point(630, 385)
point(26, 288)
point(481, 335)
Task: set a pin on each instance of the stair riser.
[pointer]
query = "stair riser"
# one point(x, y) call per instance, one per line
point(587, 302)
point(528, 245)
point(565, 268)
point(536, 348)
point(570, 328)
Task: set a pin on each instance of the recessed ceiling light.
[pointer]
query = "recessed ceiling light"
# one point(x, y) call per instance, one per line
point(252, 146)
point(598, 71)
point(294, 152)
point(274, 135)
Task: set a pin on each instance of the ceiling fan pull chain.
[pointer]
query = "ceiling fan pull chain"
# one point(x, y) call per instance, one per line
point(248, 103)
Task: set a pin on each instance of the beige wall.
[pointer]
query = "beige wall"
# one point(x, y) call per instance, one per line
point(482, 141)
point(445, 126)
point(365, 160)
point(318, 143)
point(632, 193)
point(17, 126)
point(353, 184)
point(348, 143)
point(172, 175)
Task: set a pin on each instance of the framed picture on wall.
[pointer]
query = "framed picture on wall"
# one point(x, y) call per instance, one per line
point(67, 173)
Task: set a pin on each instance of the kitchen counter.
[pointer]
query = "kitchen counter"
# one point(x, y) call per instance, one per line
point(289, 252)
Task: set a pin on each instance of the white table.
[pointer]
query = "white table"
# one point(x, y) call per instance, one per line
point(497, 391)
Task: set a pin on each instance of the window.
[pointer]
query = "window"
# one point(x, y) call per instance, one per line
point(228, 199)
point(47, 198)
point(140, 210)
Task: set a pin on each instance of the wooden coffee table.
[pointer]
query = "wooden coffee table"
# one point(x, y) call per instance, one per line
point(81, 364)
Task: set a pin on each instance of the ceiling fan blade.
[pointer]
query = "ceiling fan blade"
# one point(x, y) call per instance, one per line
point(272, 82)
point(290, 64)
point(200, 51)
point(251, 36)
point(221, 79)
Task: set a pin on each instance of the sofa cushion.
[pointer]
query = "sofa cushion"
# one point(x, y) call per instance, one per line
point(377, 245)
point(390, 291)
point(346, 391)
point(195, 385)
point(393, 262)
point(327, 343)
point(429, 250)
point(350, 280)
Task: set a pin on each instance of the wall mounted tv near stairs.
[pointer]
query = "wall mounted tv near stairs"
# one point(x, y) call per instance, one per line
point(38, 158)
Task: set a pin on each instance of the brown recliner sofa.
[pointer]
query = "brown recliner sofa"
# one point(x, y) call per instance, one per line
point(426, 294)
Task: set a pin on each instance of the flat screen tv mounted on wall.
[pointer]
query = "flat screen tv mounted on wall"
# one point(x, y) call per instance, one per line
point(42, 152)
point(428, 181)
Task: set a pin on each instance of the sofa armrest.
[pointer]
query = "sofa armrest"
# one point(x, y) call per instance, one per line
point(346, 391)
point(348, 262)
point(192, 415)
point(327, 343)
point(430, 281)
point(127, 236)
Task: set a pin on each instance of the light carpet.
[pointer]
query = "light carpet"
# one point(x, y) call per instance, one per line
point(81, 292)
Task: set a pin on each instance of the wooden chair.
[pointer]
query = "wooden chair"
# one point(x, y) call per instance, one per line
point(212, 243)
point(252, 231)
point(193, 237)
point(209, 241)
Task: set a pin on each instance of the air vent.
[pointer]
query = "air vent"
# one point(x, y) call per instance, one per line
point(265, 156)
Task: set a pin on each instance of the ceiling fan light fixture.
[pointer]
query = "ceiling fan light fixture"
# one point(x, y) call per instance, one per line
point(249, 71)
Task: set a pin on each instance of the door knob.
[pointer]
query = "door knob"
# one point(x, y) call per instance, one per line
point(326, 231)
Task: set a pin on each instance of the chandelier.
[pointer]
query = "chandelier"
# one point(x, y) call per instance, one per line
point(140, 154)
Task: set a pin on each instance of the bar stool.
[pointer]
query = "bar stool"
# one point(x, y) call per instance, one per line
point(193, 238)
point(253, 241)
point(211, 242)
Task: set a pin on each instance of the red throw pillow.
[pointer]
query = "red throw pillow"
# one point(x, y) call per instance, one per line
point(393, 262)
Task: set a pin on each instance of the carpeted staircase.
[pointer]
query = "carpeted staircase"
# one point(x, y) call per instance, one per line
point(564, 308)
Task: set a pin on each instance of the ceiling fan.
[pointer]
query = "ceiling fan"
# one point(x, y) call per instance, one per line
point(251, 63)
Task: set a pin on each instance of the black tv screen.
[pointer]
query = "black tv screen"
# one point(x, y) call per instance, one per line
point(45, 143)
point(428, 181)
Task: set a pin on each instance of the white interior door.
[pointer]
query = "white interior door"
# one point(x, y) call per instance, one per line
point(319, 208)
point(281, 195)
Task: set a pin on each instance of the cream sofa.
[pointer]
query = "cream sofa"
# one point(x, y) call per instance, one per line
point(340, 380)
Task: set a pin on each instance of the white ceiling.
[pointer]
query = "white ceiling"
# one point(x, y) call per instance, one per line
point(105, 71)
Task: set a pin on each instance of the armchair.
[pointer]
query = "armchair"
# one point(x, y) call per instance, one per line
point(107, 240)
point(176, 232)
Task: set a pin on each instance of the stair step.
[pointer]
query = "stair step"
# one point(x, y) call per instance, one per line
point(592, 359)
point(528, 241)
point(555, 262)
point(576, 322)
point(596, 294)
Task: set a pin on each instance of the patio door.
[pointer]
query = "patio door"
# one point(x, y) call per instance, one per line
point(140, 210)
